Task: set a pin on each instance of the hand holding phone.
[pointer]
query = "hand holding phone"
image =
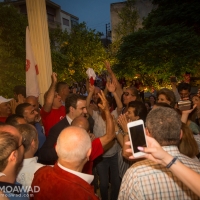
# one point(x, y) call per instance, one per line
point(137, 137)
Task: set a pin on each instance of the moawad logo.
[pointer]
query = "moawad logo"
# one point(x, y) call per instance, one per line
point(19, 189)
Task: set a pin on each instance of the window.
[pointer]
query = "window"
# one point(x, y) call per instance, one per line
point(65, 22)
point(51, 13)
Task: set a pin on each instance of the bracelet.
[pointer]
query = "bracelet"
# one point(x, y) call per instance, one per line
point(172, 162)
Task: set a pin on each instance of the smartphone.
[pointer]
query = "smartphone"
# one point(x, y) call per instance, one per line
point(137, 137)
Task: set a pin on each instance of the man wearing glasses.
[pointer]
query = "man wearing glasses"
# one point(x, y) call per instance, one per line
point(11, 157)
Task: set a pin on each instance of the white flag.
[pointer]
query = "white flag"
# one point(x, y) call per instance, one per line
point(32, 86)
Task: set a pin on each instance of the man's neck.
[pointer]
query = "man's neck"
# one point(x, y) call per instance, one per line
point(28, 154)
point(70, 115)
point(70, 165)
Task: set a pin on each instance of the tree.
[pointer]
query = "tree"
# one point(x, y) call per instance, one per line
point(167, 45)
point(128, 20)
point(12, 49)
point(74, 53)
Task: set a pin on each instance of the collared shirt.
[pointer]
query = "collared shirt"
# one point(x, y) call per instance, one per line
point(148, 180)
point(86, 177)
point(69, 119)
point(26, 174)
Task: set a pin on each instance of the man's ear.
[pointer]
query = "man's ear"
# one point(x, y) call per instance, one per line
point(181, 134)
point(71, 109)
point(147, 132)
point(88, 154)
point(13, 156)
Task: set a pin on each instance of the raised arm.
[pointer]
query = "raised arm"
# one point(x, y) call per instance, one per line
point(112, 88)
point(48, 100)
point(110, 131)
point(185, 114)
point(88, 99)
point(156, 153)
point(119, 90)
point(122, 120)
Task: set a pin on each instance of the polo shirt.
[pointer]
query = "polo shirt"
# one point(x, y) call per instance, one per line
point(49, 119)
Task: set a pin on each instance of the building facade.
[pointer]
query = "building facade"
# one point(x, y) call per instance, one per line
point(56, 17)
point(143, 7)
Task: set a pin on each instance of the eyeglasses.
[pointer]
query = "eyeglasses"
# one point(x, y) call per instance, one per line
point(127, 94)
point(23, 143)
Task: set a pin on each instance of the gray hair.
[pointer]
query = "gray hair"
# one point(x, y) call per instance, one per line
point(28, 132)
point(164, 124)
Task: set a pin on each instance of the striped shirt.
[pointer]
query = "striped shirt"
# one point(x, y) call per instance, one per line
point(148, 180)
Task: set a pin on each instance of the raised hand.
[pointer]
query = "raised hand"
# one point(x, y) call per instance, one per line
point(111, 87)
point(91, 88)
point(104, 103)
point(122, 121)
point(107, 65)
point(54, 78)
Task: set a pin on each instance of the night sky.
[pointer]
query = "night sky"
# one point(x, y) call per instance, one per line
point(96, 13)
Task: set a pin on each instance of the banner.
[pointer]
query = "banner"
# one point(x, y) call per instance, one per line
point(32, 86)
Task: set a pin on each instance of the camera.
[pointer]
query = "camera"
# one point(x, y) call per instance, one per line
point(185, 105)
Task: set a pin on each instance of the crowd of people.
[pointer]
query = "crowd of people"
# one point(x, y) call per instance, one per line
point(76, 145)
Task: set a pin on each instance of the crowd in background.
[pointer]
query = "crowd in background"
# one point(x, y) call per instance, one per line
point(74, 146)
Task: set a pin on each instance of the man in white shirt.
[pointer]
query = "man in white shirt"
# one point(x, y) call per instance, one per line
point(29, 165)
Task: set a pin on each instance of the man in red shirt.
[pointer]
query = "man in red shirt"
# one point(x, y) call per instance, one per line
point(53, 110)
point(5, 109)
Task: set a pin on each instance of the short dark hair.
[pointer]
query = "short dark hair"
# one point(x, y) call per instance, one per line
point(20, 109)
point(153, 97)
point(71, 101)
point(164, 124)
point(8, 143)
point(29, 133)
point(184, 86)
point(20, 89)
point(12, 119)
point(140, 109)
point(59, 85)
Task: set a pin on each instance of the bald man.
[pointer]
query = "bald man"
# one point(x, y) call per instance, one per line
point(65, 180)
point(11, 157)
point(98, 144)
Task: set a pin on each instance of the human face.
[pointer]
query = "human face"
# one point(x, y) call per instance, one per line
point(30, 114)
point(33, 101)
point(80, 109)
point(66, 91)
point(196, 100)
point(57, 102)
point(151, 100)
point(162, 98)
point(128, 96)
point(5, 109)
point(184, 94)
point(131, 115)
point(95, 95)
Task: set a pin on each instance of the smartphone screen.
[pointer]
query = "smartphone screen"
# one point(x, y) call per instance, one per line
point(137, 137)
